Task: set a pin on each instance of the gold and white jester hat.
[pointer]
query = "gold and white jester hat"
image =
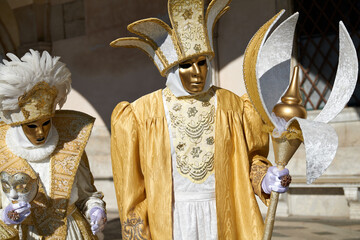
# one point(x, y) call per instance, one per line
point(31, 87)
point(269, 79)
point(190, 36)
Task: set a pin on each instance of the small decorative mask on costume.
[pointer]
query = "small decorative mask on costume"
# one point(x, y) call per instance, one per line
point(19, 187)
point(193, 74)
point(37, 131)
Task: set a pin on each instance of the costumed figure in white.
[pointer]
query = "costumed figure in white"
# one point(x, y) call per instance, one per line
point(48, 190)
point(188, 159)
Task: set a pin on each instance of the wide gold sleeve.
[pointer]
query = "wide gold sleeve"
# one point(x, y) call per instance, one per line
point(258, 146)
point(128, 173)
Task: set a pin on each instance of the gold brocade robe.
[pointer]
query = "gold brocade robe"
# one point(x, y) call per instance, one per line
point(49, 213)
point(142, 167)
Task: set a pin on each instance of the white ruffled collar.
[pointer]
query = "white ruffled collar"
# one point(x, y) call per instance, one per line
point(34, 153)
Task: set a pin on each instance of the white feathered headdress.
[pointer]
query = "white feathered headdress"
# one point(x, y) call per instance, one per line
point(31, 88)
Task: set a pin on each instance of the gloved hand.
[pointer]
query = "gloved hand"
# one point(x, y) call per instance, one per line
point(97, 219)
point(274, 181)
point(15, 213)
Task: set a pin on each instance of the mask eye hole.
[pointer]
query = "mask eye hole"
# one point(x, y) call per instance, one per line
point(46, 123)
point(31, 126)
point(201, 63)
point(20, 187)
point(185, 65)
point(5, 186)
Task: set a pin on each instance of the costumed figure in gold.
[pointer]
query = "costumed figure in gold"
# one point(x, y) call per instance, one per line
point(188, 159)
point(48, 190)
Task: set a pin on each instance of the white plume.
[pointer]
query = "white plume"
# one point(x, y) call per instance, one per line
point(19, 76)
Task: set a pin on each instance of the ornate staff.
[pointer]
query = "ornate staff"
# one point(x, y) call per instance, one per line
point(285, 145)
point(266, 74)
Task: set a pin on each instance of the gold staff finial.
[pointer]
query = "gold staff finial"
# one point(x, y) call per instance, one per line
point(290, 105)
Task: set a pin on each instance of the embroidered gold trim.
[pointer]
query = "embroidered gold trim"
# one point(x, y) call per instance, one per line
point(293, 132)
point(250, 58)
point(148, 38)
point(222, 12)
point(193, 132)
point(154, 20)
point(257, 174)
point(38, 102)
point(133, 228)
point(8, 232)
point(31, 120)
point(85, 229)
point(135, 39)
point(209, 8)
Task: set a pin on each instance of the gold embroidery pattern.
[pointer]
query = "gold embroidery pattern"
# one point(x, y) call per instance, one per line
point(193, 125)
point(197, 172)
point(84, 228)
point(257, 173)
point(37, 103)
point(7, 232)
point(49, 213)
point(133, 228)
point(188, 19)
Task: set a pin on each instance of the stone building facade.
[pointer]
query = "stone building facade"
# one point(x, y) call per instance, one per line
point(80, 32)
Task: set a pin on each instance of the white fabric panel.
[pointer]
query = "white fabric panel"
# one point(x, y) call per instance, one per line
point(194, 217)
point(195, 214)
point(134, 42)
point(158, 62)
point(345, 80)
point(168, 49)
point(257, 66)
point(153, 29)
point(321, 142)
point(212, 14)
point(273, 65)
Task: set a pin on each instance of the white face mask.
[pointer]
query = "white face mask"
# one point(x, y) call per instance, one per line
point(19, 187)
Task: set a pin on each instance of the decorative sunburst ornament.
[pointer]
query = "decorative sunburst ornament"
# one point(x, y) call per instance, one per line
point(266, 84)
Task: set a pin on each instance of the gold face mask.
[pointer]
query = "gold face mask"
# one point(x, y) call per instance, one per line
point(193, 74)
point(19, 187)
point(37, 131)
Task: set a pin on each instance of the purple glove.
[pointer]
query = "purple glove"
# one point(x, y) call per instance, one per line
point(16, 213)
point(98, 219)
point(272, 180)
